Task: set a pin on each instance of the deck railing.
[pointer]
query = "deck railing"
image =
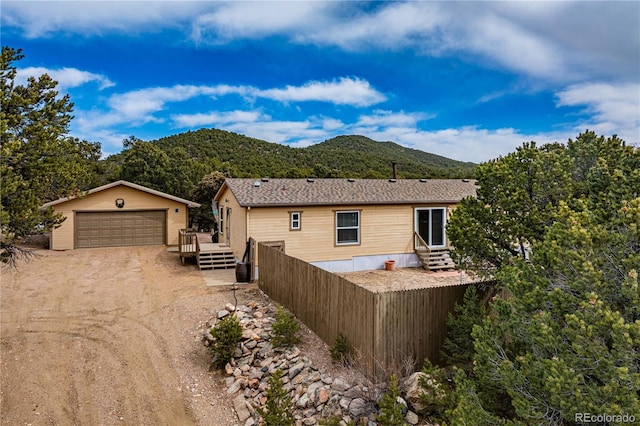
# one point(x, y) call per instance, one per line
point(188, 245)
point(419, 244)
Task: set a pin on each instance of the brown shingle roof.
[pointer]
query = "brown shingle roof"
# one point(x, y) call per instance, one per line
point(297, 192)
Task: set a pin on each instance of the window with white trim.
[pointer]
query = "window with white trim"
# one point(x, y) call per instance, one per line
point(348, 227)
point(295, 221)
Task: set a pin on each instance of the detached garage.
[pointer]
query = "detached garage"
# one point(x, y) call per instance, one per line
point(119, 214)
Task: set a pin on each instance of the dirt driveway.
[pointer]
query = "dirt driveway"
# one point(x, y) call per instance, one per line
point(109, 337)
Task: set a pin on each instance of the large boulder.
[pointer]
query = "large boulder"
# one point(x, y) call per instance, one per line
point(425, 393)
point(413, 390)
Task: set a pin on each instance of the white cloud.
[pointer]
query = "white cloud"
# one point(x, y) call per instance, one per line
point(613, 108)
point(344, 91)
point(331, 124)
point(558, 41)
point(66, 77)
point(217, 119)
point(511, 45)
point(44, 18)
point(383, 119)
point(391, 26)
point(141, 104)
point(592, 37)
point(231, 20)
point(468, 143)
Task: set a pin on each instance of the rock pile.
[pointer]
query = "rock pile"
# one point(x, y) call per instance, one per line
point(316, 395)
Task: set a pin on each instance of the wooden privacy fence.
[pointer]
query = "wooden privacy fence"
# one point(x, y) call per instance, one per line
point(385, 328)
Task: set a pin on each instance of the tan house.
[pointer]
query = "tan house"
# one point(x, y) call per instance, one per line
point(341, 224)
point(119, 214)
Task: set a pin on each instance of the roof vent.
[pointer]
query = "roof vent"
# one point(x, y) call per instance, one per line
point(256, 184)
point(351, 180)
point(393, 180)
point(423, 180)
point(309, 179)
point(265, 179)
point(465, 180)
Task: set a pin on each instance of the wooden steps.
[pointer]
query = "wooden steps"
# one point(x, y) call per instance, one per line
point(435, 259)
point(216, 259)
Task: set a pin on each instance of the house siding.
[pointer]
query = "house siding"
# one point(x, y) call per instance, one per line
point(384, 230)
point(62, 238)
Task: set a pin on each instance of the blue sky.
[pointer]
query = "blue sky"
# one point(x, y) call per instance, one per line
point(467, 80)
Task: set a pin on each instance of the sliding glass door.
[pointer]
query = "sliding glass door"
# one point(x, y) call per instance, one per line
point(430, 225)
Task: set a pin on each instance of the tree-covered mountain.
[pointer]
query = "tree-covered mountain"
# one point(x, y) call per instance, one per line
point(367, 158)
point(344, 156)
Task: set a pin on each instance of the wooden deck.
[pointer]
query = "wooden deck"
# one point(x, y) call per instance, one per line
point(213, 247)
point(208, 255)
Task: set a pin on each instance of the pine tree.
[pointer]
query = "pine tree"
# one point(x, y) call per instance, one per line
point(568, 251)
point(285, 329)
point(39, 162)
point(390, 410)
point(569, 340)
point(279, 408)
point(340, 349)
point(516, 196)
point(458, 345)
point(227, 333)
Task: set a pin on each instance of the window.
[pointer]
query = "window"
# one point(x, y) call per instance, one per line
point(348, 227)
point(295, 222)
point(221, 229)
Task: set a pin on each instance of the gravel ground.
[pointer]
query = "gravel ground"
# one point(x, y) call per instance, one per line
point(110, 336)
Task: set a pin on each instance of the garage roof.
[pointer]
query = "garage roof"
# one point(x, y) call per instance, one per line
point(124, 183)
point(296, 192)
